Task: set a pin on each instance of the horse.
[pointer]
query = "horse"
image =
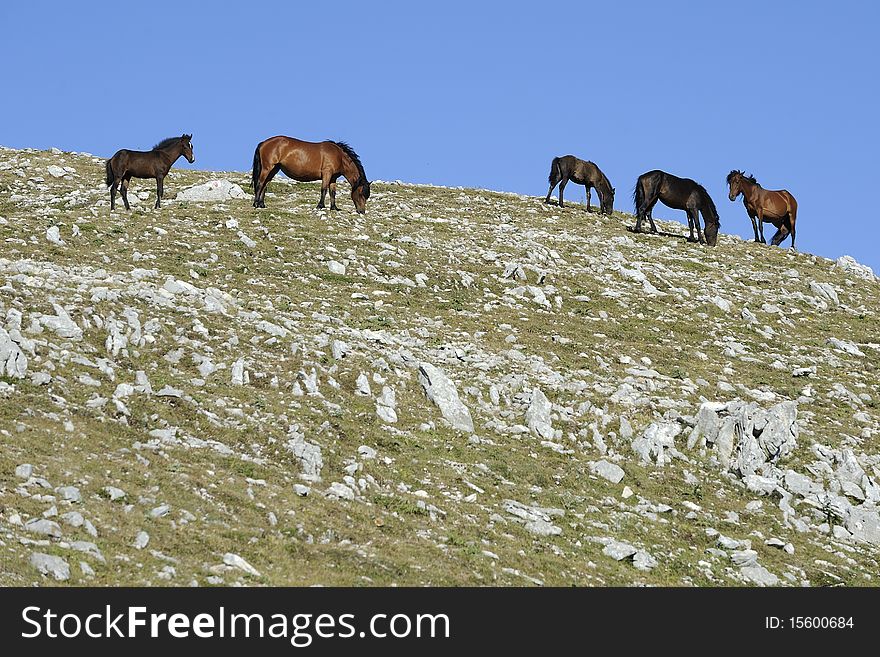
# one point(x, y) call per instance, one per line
point(777, 207)
point(679, 194)
point(307, 161)
point(585, 173)
point(126, 164)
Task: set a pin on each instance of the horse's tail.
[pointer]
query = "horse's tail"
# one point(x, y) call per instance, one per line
point(554, 168)
point(258, 167)
point(111, 177)
point(638, 195)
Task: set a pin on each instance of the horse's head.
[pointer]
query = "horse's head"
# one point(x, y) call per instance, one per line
point(711, 233)
point(734, 181)
point(608, 202)
point(360, 192)
point(186, 145)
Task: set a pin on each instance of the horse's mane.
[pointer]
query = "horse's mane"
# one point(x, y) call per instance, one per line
point(605, 180)
point(166, 142)
point(348, 150)
point(711, 204)
point(736, 172)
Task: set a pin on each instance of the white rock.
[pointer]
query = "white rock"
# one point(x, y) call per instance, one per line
point(610, 471)
point(845, 346)
point(851, 266)
point(657, 444)
point(308, 454)
point(336, 267)
point(618, 550)
point(386, 405)
point(53, 234)
point(24, 471)
point(141, 540)
point(362, 386)
point(721, 302)
point(760, 575)
point(339, 349)
point(441, 390)
point(538, 415)
point(49, 564)
point(240, 376)
point(114, 493)
point(55, 171)
point(213, 190)
point(231, 559)
point(339, 491)
point(825, 291)
point(13, 362)
point(70, 493)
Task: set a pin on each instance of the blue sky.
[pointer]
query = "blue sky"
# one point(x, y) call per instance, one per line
point(480, 94)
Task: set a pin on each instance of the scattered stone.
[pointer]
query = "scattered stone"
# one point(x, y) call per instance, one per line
point(610, 471)
point(114, 493)
point(53, 234)
point(536, 520)
point(386, 405)
point(236, 561)
point(760, 575)
point(141, 540)
point(24, 471)
point(441, 390)
point(657, 444)
point(43, 526)
point(48, 564)
point(336, 267)
point(213, 190)
point(308, 454)
point(618, 550)
point(538, 415)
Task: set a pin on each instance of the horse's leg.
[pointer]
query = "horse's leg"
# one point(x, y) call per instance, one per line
point(263, 183)
point(562, 184)
point(333, 195)
point(113, 195)
point(325, 187)
point(780, 235)
point(651, 218)
point(123, 188)
point(761, 224)
point(754, 226)
point(692, 218)
point(589, 196)
point(792, 218)
point(554, 180)
point(699, 230)
point(159, 181)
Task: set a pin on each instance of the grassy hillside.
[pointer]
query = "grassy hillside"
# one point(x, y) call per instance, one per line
point(253, 328)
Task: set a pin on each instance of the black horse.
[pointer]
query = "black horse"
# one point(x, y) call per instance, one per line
point(585, 173)
point(679, 194)
point(126, 164)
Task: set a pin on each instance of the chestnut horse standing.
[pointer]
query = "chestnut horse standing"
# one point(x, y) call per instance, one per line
point(777, 207)
point(307, 161)
point(126, 164)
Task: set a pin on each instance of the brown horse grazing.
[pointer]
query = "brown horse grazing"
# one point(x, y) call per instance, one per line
point(585, 173)
point(777, 207)
point(125, 165)
point(307, 161)
point(679, 194)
